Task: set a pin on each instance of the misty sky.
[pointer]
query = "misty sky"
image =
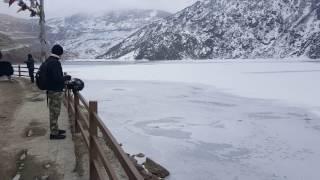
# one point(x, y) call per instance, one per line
point(55, 8)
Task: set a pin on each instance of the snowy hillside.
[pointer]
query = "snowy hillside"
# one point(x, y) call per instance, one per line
point(86, 36)
point(5, 41)
point(12, 51)
point(21, 31)
point(13, 24)
point(229, 29)
point(16, 38)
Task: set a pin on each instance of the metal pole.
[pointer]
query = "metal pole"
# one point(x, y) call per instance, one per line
point(42, 32)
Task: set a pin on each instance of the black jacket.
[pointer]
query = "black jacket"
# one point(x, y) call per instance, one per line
point(30, 63)
point(55, 78)
point(6, 68)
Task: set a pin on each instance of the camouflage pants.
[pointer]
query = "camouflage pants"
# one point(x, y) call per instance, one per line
point(55, 100)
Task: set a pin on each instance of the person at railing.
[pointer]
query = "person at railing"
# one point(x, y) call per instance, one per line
point(6, 68)
point(30, 66)
point(55, 86)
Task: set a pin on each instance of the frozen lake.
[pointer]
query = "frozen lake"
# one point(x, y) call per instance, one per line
point(215, 120)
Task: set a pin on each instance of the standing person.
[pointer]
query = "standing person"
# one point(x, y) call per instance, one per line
point(30, 66)
point(55, 85)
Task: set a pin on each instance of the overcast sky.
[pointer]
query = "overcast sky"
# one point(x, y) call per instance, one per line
point(55, 8)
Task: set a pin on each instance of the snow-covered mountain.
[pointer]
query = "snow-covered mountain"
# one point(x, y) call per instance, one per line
point(21, 31)
point(11, 50)
point(86, 36)
point(17, 37)
point(12, 24)
point(229, 29)
point(5, 41)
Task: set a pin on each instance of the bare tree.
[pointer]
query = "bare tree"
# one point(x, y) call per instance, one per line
point(36, 8)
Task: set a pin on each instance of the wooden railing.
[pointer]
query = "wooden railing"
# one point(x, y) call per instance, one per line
point(87, 122)
point(22, 70)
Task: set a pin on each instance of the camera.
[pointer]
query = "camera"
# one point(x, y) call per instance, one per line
point(66, 77)
point(75, 84)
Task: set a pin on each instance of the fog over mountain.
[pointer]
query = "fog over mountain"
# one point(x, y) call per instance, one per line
point(207, 29)
point(64, 8)
point(88, 35)
point(229, 29)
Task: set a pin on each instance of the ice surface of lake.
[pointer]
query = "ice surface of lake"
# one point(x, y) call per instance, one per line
point(215, 120)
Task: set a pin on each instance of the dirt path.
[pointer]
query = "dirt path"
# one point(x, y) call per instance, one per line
point(10, 99)
point(25, 149)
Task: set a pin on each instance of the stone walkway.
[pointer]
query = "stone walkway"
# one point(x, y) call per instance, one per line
point(25, 149)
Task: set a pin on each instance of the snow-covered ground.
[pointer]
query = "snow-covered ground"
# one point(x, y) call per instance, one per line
point(208, 120)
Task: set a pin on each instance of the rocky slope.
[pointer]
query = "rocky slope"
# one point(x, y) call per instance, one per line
point(23, 31)
point(13, 24)
point(5, 41)
point(86, 36)
point(229, 29)
point(12, 51)
point(18, 37)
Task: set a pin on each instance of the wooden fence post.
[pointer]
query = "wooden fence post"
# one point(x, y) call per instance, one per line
point(68, 100)
point(93, 108)
point(76, 112)
point(19, 70)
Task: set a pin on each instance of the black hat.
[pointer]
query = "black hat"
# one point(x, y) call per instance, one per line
point(57, 50)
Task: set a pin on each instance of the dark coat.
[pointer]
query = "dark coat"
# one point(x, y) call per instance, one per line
point(6, 68)
point(30, 63)
point(55, 78)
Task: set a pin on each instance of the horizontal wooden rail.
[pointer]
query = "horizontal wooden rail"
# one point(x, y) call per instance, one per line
point(98, 170)
point(82, 118)
point(105, 161)
point(22, 75)
point(84, 134)
point(83, 101)
point(87, 122)
point(18, 68)
point(24, 71)
point(114, 145)
point(71, 108)
point(22, 66)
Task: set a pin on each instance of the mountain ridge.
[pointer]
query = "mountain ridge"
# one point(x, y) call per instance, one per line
point(88, 35)
point(229, 29)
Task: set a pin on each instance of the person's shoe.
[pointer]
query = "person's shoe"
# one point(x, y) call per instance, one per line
point(57, 136)
point(61, 131)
